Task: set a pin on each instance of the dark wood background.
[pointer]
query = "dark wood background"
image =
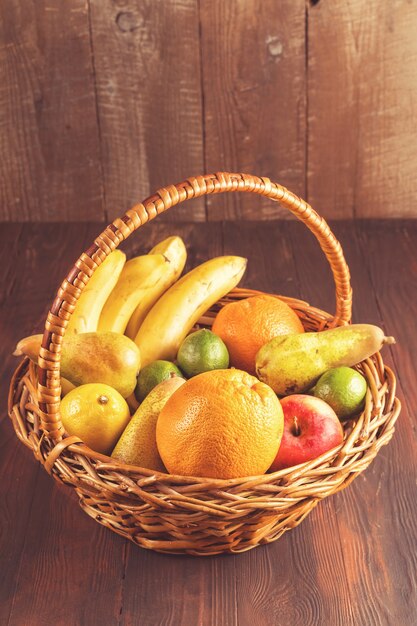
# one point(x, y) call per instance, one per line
point(104, 101)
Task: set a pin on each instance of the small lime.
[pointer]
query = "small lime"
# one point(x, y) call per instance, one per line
point(344, 389)
point(202, 351)
point(153, 374)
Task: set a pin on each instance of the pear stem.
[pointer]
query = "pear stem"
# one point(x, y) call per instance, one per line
point(388, 340)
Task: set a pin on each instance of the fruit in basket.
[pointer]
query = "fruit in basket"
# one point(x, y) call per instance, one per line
point(137, 444)
point(90, 304)
point(220, 424)
point(96, 413)
point(179, 308)
point(246, 325)
point(294, 363)
point(344, 389)
point(29, 346)
point(202, 351)
point(66, 387)
point(139, 283)
point(173, 249)
point(311, 428)
point(108, 358)
point(151, 375)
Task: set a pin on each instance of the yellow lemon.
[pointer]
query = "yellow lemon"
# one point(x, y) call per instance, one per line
point(96, 413)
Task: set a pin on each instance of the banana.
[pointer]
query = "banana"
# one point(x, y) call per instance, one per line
point(139, 280)
point(87, 311)
point(173, 249)
point(176, 312)
point(102, 284)
point(29, 346)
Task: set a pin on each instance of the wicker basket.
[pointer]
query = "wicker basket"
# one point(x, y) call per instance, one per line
point(178, 514)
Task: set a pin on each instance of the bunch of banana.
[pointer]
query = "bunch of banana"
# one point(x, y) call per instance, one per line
point(175, 253)
point(143, 299)
point(176, 312)
point(142, 281)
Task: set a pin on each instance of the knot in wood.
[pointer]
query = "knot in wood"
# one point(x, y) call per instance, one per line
point(127, 22)
point(274, 47)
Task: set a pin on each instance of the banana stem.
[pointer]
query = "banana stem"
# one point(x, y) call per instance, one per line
point(388, 340)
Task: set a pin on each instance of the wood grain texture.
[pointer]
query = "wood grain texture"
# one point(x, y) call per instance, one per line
point(253, 71)
point(50, 165)
point(147, 72)
point(28, 282)
point(352, 561)
point(104, 101)
point(362, 103)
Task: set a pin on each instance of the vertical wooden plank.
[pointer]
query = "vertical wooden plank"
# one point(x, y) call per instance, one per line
point(253, 67)
point(50, 165)
point(147, 62)
point(362, 100)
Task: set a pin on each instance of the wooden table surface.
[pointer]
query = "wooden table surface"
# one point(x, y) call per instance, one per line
point(352, 561)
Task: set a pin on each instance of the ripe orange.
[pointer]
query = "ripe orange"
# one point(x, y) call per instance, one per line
point(246, 325)
point(220, 424)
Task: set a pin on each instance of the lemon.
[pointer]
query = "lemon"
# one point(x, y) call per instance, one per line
point(202, 351)
point(344, 389)
point(153, 374)
point(96, 413)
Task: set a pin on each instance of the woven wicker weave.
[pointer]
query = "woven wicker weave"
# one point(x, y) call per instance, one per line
point(176, 514)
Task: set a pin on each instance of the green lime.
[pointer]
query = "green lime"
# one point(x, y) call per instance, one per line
point(153, 374)
point(344, 389)
point(202, 351)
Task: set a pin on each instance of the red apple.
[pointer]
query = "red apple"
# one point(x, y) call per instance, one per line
point(311, 427)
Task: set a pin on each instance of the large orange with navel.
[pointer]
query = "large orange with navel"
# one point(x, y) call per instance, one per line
point(246, 325)
point(220, 424)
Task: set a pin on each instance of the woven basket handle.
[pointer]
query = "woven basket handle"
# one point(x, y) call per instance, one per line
point(49, 388)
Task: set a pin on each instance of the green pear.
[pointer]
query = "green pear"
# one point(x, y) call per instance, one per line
point(137, 444)
point(109, 358)
point(293, 363)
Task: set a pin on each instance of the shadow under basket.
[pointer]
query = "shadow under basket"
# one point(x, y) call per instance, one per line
point(179, 514)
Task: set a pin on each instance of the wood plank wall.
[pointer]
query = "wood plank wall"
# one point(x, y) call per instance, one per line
point(104, 101)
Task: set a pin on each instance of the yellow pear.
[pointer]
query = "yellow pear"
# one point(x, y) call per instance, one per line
point(109, 358)
point(137, 445)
